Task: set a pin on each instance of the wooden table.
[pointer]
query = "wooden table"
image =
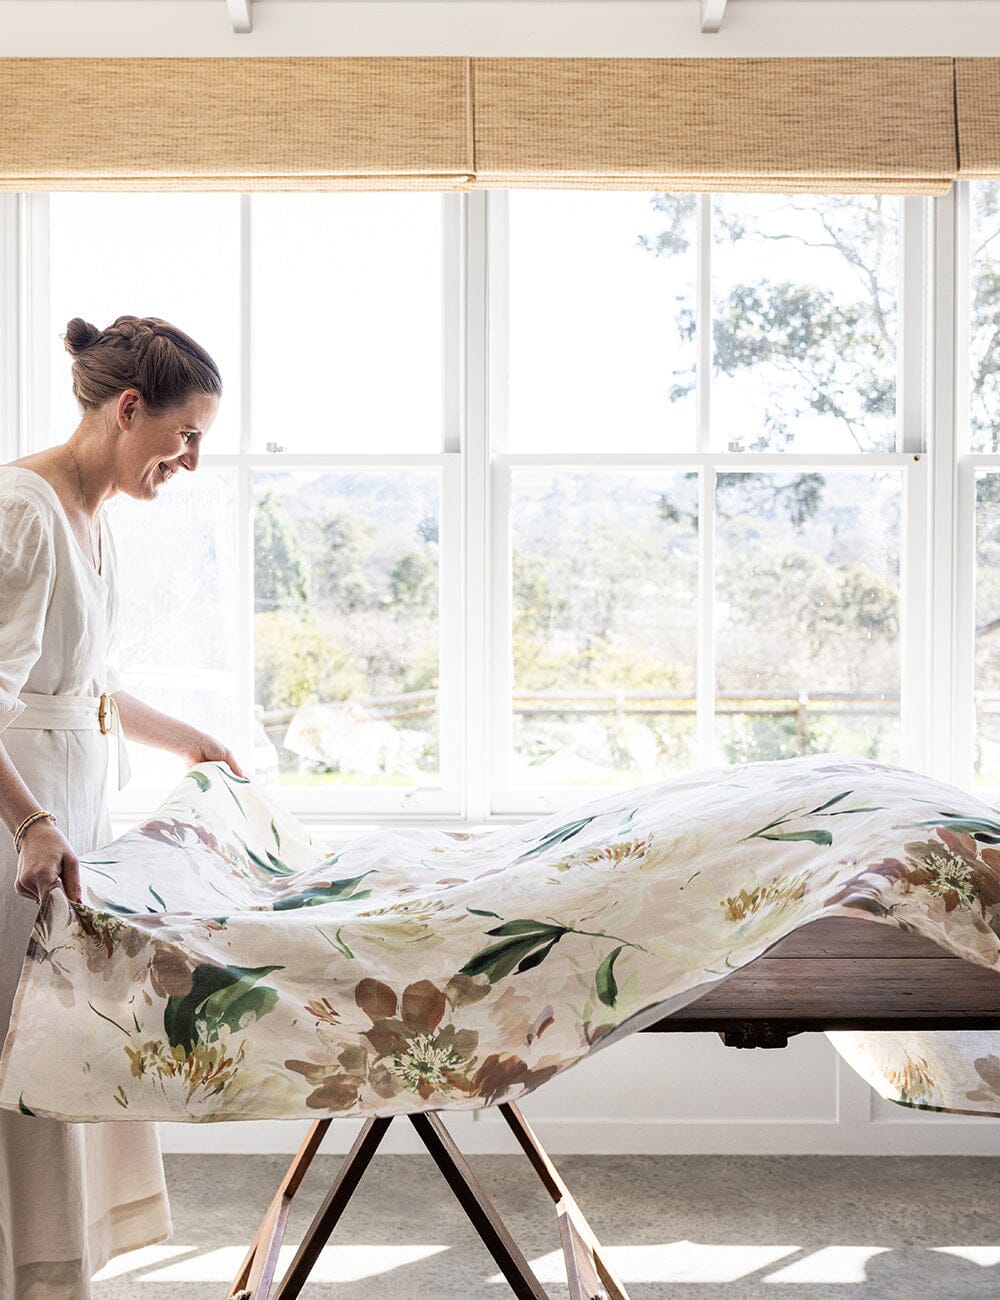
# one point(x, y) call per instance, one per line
point(838, 973)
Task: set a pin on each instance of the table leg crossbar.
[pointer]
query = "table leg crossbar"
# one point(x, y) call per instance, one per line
point(588, 1273)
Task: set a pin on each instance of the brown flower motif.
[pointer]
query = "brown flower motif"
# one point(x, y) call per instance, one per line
point(409, 1043)
point(988, 1069)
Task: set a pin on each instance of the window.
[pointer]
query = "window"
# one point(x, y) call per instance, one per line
point(516, 498)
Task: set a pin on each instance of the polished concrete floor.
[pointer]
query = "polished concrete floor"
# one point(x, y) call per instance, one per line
point(692, 1226)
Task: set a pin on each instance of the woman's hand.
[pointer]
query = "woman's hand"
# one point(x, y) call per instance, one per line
point(201, 748)
point(45, 856)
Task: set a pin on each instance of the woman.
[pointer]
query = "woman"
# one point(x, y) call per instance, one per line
point(74, 1195)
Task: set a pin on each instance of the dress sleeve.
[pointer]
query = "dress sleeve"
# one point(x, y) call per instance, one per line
point(27, 573)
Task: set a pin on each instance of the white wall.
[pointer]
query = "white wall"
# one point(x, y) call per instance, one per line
point(624, 28)
point(655, 1094)
point(650, 1093)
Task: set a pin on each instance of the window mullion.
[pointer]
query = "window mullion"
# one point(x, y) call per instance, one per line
point(245, 692)
point(703, 324)
point(36, 296)
point(10, 326)
point(705, 672)
point(945, 619)
point(911, 376)
point(914, 708)
point(476, 517)
point(962, 696)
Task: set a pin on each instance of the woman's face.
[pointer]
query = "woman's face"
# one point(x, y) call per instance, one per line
point(154, 446)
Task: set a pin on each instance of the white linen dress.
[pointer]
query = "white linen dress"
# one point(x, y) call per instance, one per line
point(72, 1196)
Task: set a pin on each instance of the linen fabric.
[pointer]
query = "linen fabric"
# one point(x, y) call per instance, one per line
point(71, 1195)
point(222, 966)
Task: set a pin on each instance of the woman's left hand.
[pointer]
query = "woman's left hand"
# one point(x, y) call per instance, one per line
point(202, 748)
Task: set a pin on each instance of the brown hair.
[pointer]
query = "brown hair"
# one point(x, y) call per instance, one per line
point(142, 352)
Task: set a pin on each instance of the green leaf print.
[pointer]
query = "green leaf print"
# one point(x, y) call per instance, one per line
point(157, 897)
point(604, 980)
point(116, 907)
point(235, 800)
point(980, 828)
point(497, 961)
point(479, 911)
point(274, 832)
point(22, 1107)
point(538, 956)
point(336, 891)
point(814, 837)
point(231, 776)
point(527, 927)
point(557, 836)
point(201, 781)
point(220, 995)
point(338, 943)
point(829, 803)
point(272, 865)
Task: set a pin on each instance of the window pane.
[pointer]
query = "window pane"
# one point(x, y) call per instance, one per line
point(807, 615)
point(984, 250)
point(987, 755)
point(178, 652)
point(605, 573)
point(347, 321)
point(176, 256)
point(804, 308)
point(346, 624)
point(601, 341)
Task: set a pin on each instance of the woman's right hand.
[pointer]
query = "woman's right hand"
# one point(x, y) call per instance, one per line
point(45, 856)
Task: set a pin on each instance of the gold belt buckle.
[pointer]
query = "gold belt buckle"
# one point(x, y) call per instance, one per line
point(104, 714)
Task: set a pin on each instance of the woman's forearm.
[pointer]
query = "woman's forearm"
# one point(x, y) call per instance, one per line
point(142, 723)
point(149, 726)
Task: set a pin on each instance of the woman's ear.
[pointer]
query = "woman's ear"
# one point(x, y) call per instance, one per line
point(127, 403)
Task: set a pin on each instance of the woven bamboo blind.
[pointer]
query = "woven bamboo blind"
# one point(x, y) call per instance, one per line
point(234, 124)
point(842, 125)
point(836, 125)
point(977, 96)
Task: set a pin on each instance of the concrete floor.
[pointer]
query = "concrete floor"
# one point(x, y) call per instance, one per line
point(692, 1226)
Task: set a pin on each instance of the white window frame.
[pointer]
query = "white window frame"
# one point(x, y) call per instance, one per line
point(937, 529)
point(909, 459)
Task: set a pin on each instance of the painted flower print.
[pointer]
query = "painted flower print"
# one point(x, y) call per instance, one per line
point(222, 966)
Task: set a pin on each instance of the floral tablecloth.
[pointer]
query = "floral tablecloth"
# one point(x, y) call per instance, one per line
point(222, 966)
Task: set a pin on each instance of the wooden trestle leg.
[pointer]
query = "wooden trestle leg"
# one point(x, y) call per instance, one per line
point(583, 1252)
point(589, 1277)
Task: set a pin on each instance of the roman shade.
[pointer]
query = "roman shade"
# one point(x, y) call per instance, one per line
point(843, 125)
point(837, 125)
point(234, 124)
point(977, 102)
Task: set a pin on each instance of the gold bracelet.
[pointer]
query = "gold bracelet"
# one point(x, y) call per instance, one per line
point(30, 821)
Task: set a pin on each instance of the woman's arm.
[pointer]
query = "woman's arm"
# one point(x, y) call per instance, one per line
point(149, 726)
point(45, 853)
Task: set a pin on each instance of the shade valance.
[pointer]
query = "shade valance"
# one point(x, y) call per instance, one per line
point(977, 103)
point(838, 125)
point(845, 125)
point(234, 124)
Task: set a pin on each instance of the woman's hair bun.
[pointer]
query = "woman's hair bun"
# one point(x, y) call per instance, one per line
point(80, 334)
point(147, 353)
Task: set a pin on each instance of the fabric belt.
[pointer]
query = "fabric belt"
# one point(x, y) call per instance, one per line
point(76, 713)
